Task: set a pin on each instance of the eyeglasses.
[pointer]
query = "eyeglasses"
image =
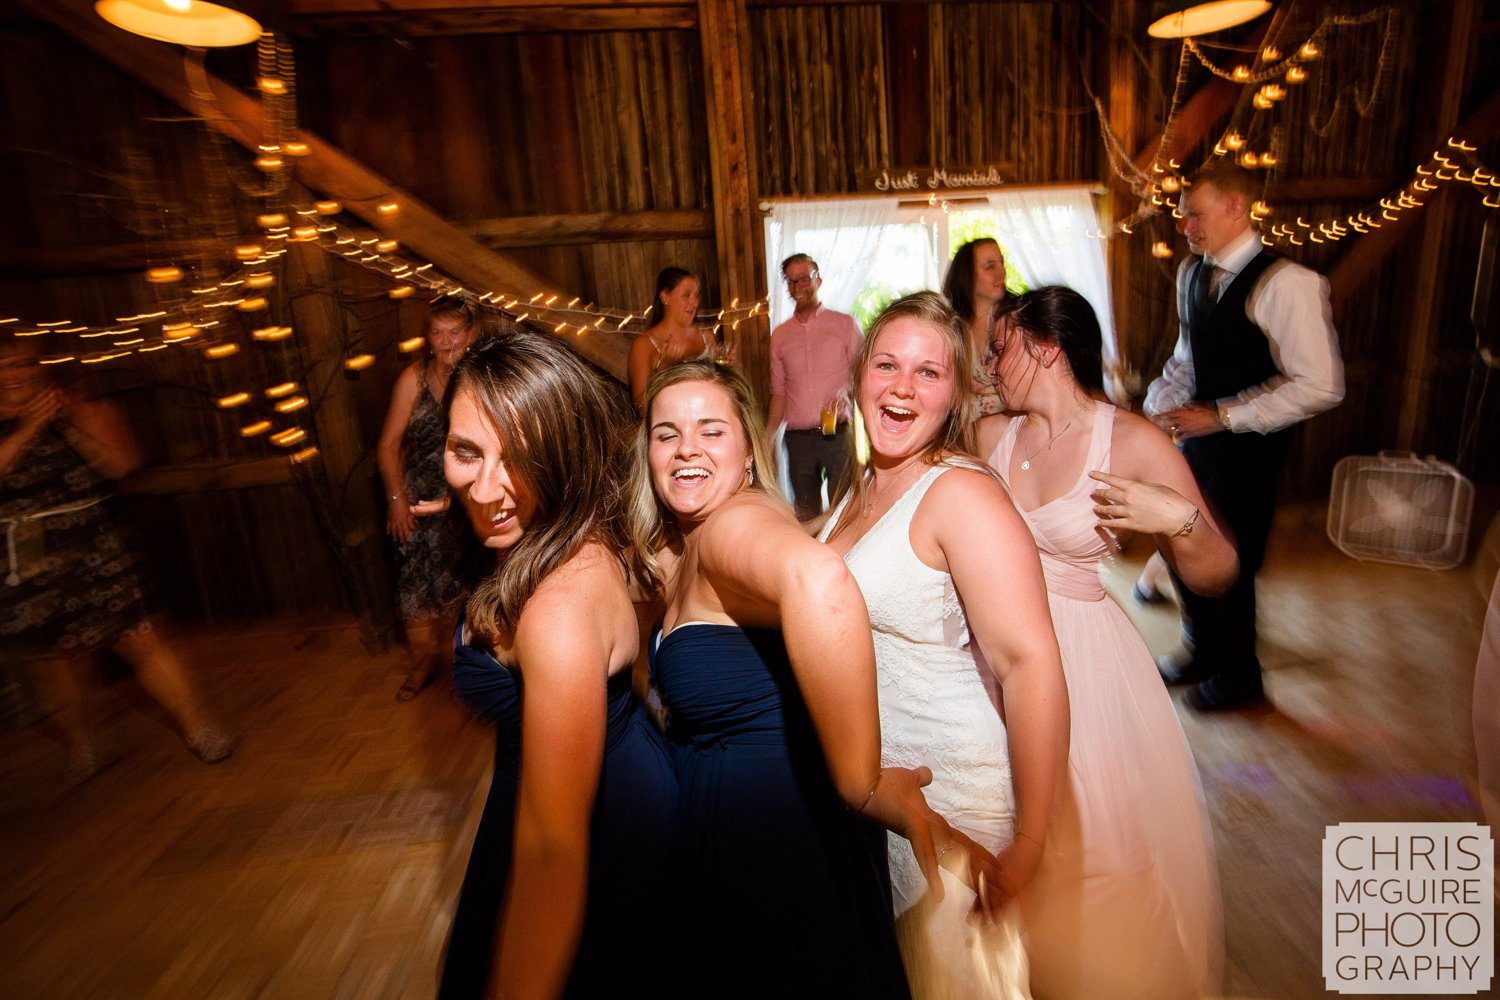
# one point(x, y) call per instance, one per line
point(798, 282)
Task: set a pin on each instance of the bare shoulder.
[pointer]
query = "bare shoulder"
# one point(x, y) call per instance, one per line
point(1138, 446)
point(988, 431)
point(749, 520)
point(962, 484)
point(590, 576)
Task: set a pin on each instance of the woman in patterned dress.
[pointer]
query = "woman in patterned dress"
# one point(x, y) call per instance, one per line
point(410, 456)
point(975, 282)
point(70, 585)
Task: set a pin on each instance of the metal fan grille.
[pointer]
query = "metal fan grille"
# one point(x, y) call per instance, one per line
point(1400, 511)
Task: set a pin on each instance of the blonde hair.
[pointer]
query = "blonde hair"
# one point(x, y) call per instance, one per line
point(956, 435)
point(650, 525)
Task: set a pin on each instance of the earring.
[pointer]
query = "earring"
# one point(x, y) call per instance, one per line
point(750, 473)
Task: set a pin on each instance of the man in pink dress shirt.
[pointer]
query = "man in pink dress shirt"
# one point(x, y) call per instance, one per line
point(812, 355)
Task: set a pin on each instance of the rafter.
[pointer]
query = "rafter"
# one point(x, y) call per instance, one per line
point(325, 169)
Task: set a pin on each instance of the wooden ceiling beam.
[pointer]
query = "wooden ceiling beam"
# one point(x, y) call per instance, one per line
point(1208, 106)
point(381, 20)
point(498, 234)
point(325, 169)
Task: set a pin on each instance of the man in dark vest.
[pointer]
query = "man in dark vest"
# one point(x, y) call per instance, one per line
point(1257, 354)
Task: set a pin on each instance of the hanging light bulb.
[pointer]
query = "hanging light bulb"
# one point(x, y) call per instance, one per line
point(194, 23)
point(1182, 18)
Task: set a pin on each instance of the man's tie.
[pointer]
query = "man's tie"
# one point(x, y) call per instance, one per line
point(1205, 288)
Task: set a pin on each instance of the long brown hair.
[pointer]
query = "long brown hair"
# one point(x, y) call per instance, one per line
point(650, 524)
point(563, 428)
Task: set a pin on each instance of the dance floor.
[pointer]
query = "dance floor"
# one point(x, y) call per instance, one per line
point(323, 860)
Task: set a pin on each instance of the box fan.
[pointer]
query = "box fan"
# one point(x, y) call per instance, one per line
point(1397, 508)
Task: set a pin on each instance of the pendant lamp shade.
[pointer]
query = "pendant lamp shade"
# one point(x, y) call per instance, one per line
point(1181, 18)
point(194, 23)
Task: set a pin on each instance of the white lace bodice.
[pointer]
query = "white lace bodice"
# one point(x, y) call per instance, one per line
point(939, 705)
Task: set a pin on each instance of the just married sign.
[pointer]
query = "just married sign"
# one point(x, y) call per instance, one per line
point(932, 178)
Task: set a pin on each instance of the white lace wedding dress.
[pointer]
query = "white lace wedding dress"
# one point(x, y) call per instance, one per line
point(939, 707)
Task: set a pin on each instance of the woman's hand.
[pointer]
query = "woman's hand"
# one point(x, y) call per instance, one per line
point(976, 868)
point(426, 508)
point(897, 803)
point(399, 520)
point(41, 409)
point(1018, 864)
point(1127, 505)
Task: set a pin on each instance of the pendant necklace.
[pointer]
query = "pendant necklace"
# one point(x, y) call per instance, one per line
point(881, 495)
point(1026, 462)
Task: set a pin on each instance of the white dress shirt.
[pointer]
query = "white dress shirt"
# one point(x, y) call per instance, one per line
point(1290, 305)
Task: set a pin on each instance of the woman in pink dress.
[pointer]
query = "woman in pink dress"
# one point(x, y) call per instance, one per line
point(1126, 900)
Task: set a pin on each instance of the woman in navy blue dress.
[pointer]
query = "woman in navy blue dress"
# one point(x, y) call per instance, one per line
point(766, 667)
point(570, 863)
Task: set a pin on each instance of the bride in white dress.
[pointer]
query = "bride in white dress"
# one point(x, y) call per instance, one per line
point(943, 558)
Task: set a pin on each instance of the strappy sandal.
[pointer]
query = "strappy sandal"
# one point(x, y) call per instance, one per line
point(417, 678)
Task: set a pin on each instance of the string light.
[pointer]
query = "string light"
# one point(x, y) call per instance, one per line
point(289, 437)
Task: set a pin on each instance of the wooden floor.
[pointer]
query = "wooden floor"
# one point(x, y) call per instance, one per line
point(323, 859)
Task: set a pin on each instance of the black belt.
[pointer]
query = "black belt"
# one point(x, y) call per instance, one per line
point(841, 428)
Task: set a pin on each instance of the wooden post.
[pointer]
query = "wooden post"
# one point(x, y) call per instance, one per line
point(341, 473)
point(1449, 50)
point(1120, 76)
point(725, 34)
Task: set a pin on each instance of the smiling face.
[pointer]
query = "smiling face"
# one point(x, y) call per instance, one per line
point(907, 388)
point(498, 504)
point(698, 451)
point(448, 337)
point(802, 283)
point(21, 378)
point(989, 272)
point(681, 303)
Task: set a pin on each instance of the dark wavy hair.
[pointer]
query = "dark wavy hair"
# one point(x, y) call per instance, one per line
point(1055, 316)
point(564, 430)
point(666, 281)
point(958, 283)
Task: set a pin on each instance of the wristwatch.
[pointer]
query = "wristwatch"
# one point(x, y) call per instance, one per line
point(1223, 413)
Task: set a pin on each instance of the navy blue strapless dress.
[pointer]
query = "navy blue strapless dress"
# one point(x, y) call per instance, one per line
point(786, 892)
point(630, 849)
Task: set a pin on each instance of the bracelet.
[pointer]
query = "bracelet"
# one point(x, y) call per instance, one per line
point(871, 793)
point(1187, 526)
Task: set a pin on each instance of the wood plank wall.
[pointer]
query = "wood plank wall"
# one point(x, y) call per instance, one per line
point(491, 127)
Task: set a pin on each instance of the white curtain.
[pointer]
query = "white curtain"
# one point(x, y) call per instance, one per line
point(842, 236)
point(1046, 234)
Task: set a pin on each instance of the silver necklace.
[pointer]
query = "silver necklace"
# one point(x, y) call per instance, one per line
point(1026, 462)
point(881, 495)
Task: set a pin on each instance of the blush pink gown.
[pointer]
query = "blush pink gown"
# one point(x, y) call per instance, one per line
point(1126, 902)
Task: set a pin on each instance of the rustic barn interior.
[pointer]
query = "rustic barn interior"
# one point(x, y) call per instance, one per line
point(186, 226)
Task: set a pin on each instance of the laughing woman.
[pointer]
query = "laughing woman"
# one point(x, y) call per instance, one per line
point(570, 856)
point(765, 664)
